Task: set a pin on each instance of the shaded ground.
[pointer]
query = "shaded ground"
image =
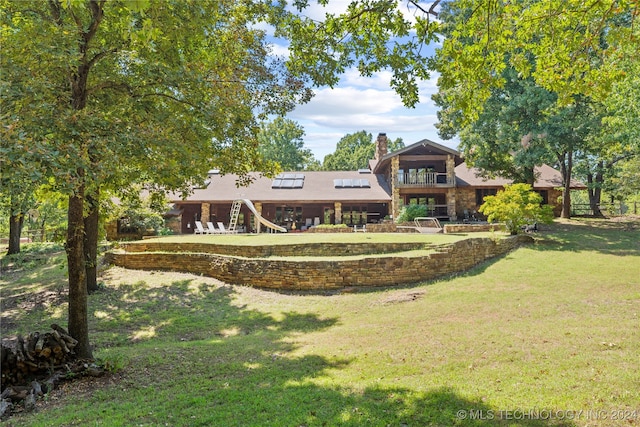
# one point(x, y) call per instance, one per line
point(244, 346)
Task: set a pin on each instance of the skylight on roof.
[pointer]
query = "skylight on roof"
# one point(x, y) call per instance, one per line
point(351, 183)
point(288, 180)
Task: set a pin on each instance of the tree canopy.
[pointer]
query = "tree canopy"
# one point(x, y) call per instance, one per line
point(569, 48)
point(97, 94)
point(104, 93)
point(281, 141)
point(515, 118)
point(354, 151)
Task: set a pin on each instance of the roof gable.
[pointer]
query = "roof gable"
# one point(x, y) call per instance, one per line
point(424, 147)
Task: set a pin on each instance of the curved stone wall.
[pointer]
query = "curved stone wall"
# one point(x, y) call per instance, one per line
point(308, 249)
point(324, 275)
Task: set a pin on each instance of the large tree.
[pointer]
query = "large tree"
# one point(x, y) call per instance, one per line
point(146, 91)
point(354, 151)
point(569, 48)
point(517, 120)
point(499, 141)
point(281, 141)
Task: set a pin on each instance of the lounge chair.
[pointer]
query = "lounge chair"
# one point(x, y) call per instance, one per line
point(211, 229)
point(199, 228)
point(224, 230)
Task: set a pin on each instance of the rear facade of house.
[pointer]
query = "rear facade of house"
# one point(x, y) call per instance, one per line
point(424, 173)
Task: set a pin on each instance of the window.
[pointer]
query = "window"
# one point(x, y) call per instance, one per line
point(482, 192)
point(354, 215)
point(545, 196)
point(286, 215)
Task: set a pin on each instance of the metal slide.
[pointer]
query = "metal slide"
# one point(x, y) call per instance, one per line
point(260, 218)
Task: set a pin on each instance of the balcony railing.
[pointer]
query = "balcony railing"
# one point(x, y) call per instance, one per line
point(424, 179)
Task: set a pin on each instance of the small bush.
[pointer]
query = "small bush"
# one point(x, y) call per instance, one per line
point(410, 212)
point(330, 226)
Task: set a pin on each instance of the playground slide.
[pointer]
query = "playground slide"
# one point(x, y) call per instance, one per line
point(261, 219)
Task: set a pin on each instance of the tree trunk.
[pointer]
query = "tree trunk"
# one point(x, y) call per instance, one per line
point(78, 319)
point(91, 240)
point(15, 231)
point(529, 175)
point(565, 160)
point(594, 188)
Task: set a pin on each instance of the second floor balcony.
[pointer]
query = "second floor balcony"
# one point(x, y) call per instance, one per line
point(423, 180)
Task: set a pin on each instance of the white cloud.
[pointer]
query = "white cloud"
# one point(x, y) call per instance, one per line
point(281, 50)
point(363, 103)
point(342, 101)
point(369, 106)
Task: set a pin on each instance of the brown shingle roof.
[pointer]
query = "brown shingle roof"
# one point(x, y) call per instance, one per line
point(318, 187)
point(546, 177)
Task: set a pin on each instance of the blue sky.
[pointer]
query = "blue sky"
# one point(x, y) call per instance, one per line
point(368, 104)
point(358, 103)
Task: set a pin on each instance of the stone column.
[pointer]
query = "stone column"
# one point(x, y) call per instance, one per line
point(395, 191)
point(451, 170)
point(257, 224)
point(451, 204)
point(205, 212)
point(338, 208)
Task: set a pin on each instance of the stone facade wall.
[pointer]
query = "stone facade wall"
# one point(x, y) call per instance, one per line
point(465, 199)
point(555, 200)
point(325, 275)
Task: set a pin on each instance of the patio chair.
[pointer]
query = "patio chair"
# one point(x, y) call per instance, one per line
point(362, 228)
point(224, 230)
point(199, 228)
point(211, 229)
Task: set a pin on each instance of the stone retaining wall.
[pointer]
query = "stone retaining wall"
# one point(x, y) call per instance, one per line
point(470, 228)
point(308, 249)
point(324, 275)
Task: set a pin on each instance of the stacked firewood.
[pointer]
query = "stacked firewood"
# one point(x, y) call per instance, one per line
point(29, 367)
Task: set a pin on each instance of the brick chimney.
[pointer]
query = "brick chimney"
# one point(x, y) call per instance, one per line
point(381, 146)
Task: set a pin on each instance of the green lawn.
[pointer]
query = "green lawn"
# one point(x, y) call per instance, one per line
point(549, 328)
point(297, 238)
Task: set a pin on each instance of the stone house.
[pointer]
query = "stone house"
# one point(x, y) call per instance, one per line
point(424, 173)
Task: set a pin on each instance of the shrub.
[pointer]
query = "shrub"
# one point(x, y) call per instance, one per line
point(410, 212)
point(517, 205)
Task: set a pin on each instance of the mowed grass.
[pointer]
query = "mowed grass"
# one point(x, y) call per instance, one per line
point(522, 340)
point(304, 238)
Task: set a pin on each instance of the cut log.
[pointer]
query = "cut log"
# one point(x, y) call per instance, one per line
point(32, 340)
point(40, 343)
point(30, 402)
point(34, 364)
point(5, 405)
point(59, 328)
point(37, 388)
point(71, 342)
point(45, 353)
point(61, 341)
